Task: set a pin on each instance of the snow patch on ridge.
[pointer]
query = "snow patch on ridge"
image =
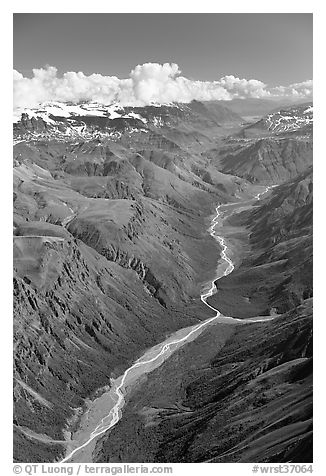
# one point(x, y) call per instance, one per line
point(67, 110)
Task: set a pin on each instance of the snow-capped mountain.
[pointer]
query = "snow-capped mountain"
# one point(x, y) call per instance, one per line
point(297, 119)
point(65, 121)
point(290, 119)
point(70, 110)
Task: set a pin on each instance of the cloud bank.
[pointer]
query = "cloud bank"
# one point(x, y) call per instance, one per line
point(147, 83)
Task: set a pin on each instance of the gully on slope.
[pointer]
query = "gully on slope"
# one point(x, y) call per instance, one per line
point(153, 358)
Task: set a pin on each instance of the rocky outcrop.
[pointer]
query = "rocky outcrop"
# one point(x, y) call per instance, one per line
point(31, 125)
point(79, 319)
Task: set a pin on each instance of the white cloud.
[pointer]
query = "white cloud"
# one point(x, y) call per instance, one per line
point(304, 89)
point(150, 82)
point(244, 88)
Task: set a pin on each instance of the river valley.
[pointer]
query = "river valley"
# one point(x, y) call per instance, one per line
point(105, 411)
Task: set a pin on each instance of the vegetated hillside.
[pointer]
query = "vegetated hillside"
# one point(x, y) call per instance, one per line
point(108, 259)
point(238, 393)
point(277, 274)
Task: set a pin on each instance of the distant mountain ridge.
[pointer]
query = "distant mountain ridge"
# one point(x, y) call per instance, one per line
point(259, 106)
point(291, 119)
point(91, 120)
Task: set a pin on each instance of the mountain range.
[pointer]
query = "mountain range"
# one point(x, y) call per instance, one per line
point(111, 251)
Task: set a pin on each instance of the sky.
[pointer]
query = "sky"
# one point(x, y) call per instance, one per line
point(272, 49)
